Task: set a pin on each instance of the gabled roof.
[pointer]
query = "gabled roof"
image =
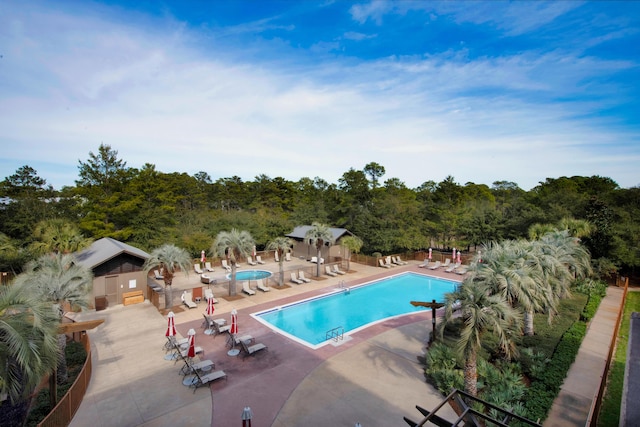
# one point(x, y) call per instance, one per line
point(300, 232)
point(104, 249)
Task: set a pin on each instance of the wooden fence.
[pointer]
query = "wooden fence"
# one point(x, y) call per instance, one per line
point(64, 411)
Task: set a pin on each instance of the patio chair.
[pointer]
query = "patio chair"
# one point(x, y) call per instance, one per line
point(328, 271)
point(206, 279)
point(259, 259)
point(382, 264)
point(231, 339)
point(219, 327)
point(190, 367)
point(250, 261)
point(295, 280)
point(247, 289)
point(388, 262)
point(261, 286)
point(315, 260)
point(276, 257)
point(302, 277)
point(207, 266)
point(435, 265)
point(462, 270)
point(226, 266)
point(157, 275)
point(446, 263)
point(451, 268)
point(400, 262)
point(172, 343)
point(208, 293)
point(250, 350)
point(287, 256)
point(197, 268)
point(187, 299)
point(336, 269)
point(201, 380)
point(424, 264)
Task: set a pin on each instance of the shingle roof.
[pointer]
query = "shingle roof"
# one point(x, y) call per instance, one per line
point(301, 231)
point(104, 249)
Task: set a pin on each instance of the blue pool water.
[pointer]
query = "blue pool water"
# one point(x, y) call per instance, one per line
point(251, 274)
point(308, 321)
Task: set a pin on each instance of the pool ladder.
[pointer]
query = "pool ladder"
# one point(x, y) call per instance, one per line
point(341, 285)
point(335, 334)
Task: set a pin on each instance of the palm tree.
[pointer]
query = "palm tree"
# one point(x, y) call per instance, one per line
point(538, 230)
point(318, 235)
point(577, 227)
point(58, 235)
point(60, 281)
point(352, 244)
point(280, 245)
point(233, 245)
point(28, 349)
point(482, 313)
point(169, 259)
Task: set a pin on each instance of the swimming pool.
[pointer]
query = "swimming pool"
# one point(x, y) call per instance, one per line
point(353, 308)
point(251, 274)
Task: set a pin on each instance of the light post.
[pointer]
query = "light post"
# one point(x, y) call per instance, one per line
point(433, 305)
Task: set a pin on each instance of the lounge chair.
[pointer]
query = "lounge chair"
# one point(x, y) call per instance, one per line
point(236, 340)
point(250, 350)
point(173, 343)
point(336, 269)
point(400, 262)
point(446, 263)
point(226, 266)
point(295, 280)
point(301, 277)
point(247, 289)
point(206, 279)
point(451, 268)
point(201, 380)
point(187, 299)
point(259, 259)
point(424, 264)
point(190, 367)
point(382, 264)
point(260, 285)
point(157, 275)
point(208, 293)
point(328, 271)
point(462, 270)
point(315, 260)
point(435, 265)
point(276, 257)
point(207, 266)
point(219, 327)
point(250, 261)
point(287, 256)
point(197, 268)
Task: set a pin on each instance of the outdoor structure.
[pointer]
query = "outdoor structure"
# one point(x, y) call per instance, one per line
point(117, 270)
point(301, 247)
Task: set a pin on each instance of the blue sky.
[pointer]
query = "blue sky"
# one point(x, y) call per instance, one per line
point(483, 91)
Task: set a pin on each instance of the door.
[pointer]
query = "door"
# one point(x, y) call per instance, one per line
point(111, 289)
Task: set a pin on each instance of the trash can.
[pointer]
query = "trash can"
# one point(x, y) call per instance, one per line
point(101, 303)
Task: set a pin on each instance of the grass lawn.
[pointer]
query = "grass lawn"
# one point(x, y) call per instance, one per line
point(610, 410)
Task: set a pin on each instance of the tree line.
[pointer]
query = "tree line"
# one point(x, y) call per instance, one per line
point(148, 208)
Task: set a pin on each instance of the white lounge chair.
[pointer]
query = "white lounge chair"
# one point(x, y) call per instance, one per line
point(250, 261)
point(451, 268)
point(247, 289)
point(197, 268)
point(295, 280)
point(462, 270)
point(315, 260)
point(226, 266)
point(260, 285)
point(187, 299)
point(287, 256)
point(259, 259)
point(328, 271)
point(336, 269)
point(435, 265)
point(388, 261)
point(382, 264)
point(157, 275)
point(208, 293)
point(207, 266)
point(424, 264)
point(276, 257)
point(302, 277)
point(400, 262)
point(446, 263)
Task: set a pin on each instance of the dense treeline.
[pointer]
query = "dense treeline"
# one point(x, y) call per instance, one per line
point(147, 208)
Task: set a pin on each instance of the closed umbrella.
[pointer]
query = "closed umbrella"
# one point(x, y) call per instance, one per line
point(480, 256)
point(192, 343)
point(171, 326)
point(246, 417)
point(233, 331)
point(210, 307)
point(459, 257)
point(254, 253)
point(203, 257)
point(429, 254)
point(454, 255)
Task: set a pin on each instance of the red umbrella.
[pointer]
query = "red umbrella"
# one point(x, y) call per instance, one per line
point(210, 308)
point(479, 256)
point(459, 258)
point(254, 252)
point(246, 417)
point(429, 254)
point(203, 257)
point(171, 326)
point(192, 343)
point(454, 254)
point(234, 322)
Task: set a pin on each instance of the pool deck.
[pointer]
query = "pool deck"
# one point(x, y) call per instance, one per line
point(373, 376)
